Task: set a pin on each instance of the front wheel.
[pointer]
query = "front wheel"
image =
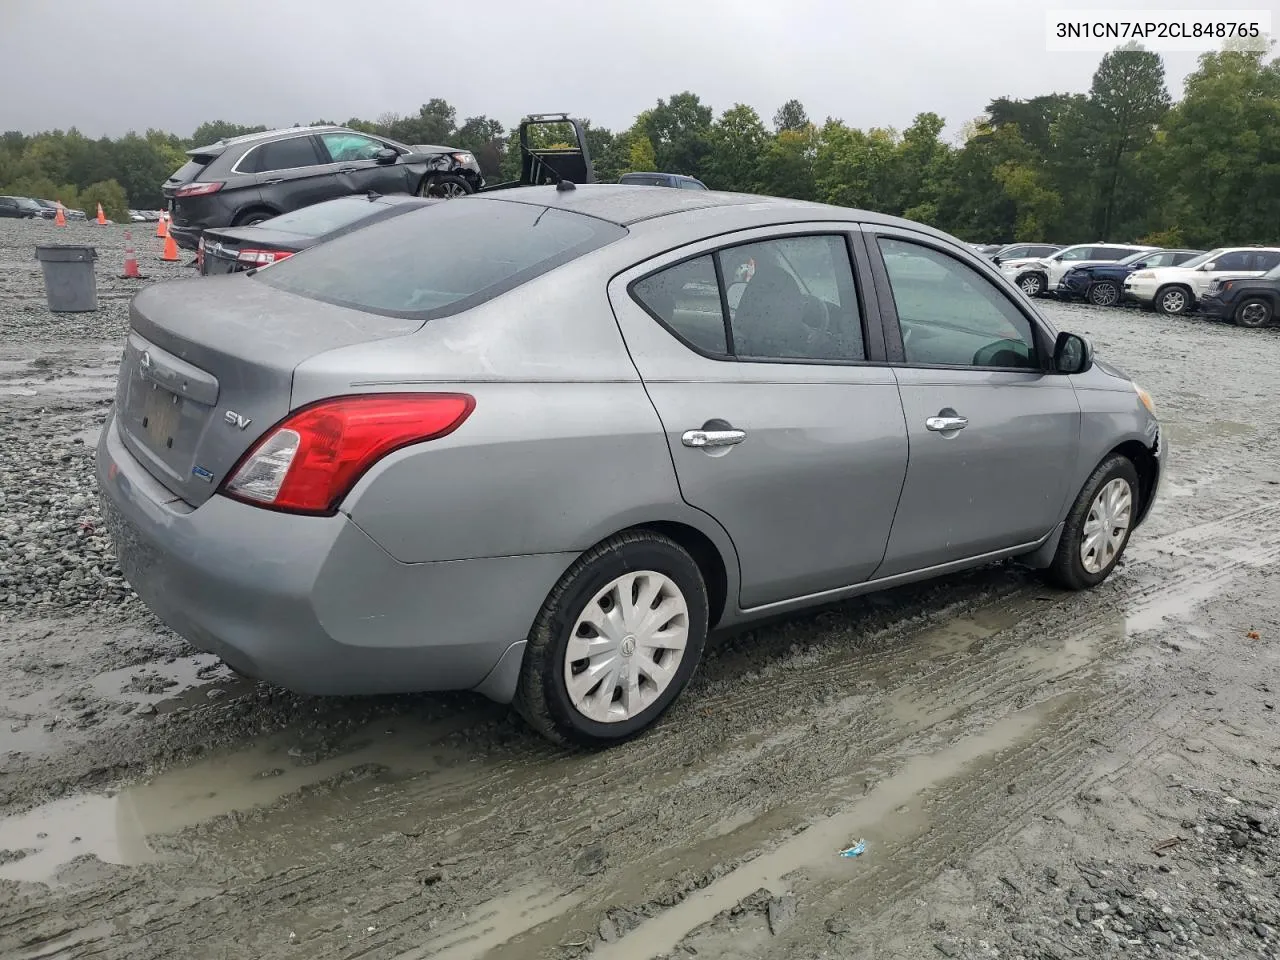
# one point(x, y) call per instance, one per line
point(1097, 528)
point(615, 642)
point(1253, 313)
point(444, 186)
point(1173, 301)
point(1104, 293)
point(1032, 284)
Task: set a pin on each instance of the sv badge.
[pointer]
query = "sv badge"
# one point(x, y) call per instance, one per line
point(236, 420)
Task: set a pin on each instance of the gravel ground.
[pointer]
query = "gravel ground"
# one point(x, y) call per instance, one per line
point(1035, 774)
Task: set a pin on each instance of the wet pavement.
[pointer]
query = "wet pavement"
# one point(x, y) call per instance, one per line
point(999, 746)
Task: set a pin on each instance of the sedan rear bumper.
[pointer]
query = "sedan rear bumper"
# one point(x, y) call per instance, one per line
point(313, 603)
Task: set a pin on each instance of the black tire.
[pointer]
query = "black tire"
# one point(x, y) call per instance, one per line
point(1253, 312)
point(1067, 569)
point(444, 186)
point(1104, 293)
point(1032, 284)
point(251, 217)
point(542, 697)
point(1173, 301)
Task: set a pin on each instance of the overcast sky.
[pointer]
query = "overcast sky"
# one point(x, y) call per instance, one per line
point(108, 66)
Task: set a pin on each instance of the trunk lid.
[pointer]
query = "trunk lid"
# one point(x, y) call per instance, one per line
point(208, 369)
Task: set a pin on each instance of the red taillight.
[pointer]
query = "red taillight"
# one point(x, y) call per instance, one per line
point(312, 459)
point(198, 188)
point(263, 258)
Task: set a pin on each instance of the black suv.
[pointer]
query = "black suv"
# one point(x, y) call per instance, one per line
point(22, 208)
point(245, 180)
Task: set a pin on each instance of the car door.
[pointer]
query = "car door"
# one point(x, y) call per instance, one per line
point(993, 436)
point(1063, 261)
point(358, 168)
point(782, 420)
point(291, 173)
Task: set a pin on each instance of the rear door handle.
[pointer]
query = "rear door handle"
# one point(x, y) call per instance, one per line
point(946, 424)
point(702, 439)
point(276, 180)
point(348, 169)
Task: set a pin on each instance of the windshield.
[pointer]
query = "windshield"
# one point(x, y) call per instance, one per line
point(1203, 258)
point(26, 203)
point(324, 218)
point(442, 258)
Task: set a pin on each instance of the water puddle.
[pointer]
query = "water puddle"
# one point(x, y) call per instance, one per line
point(496, 923)
point(1208, 430)
point(965, 634)
point(817, 845)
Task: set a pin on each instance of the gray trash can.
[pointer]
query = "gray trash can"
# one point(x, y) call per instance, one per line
point(69, 281)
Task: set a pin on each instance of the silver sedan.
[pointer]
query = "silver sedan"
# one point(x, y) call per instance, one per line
point(537, 443)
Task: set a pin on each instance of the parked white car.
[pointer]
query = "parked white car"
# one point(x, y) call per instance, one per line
point(1177, 290)
point(1034, 277)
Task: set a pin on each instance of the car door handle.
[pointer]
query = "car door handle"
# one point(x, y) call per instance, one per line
point(701, 439)
point(276, 180)
point(946, 424)
point(348, 169)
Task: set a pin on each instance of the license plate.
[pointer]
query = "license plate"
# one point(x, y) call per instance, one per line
point(161, 414)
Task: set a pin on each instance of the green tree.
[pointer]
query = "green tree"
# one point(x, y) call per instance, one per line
point(735, 148)
point(1221, 151)
point(853, 168)
point(790, 116)
point(679, 129)
point(786, 167)
point(213, 131)
point(641, 155)
point(112, 197)
point(1126, 101)
point(923, 162)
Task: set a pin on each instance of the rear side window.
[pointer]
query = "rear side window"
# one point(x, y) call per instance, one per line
point(687, 299)
point(286, 154)
point(1266, 259)
point(1112, 253)
point(443, 258)
point(691, 185)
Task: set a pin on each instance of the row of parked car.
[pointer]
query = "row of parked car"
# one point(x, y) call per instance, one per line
point(29, 208)
point(1241, 284)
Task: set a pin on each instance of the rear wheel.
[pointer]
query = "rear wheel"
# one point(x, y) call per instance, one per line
point(1104, 293)
point(251, 217)
point(615, 642)
point(1097, 528)
point(1032, 284)
point(1173, 301)
point(445, 186)
point(1253, 312)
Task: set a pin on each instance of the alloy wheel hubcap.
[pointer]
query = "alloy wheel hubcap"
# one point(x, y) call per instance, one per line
point(1104, 295)
point(1254, 314)
point(626, 646)
point(1106, 526)
point(1031, 286)
point(1173, 301)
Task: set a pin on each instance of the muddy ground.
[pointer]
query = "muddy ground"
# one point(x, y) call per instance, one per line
point(1035, 774)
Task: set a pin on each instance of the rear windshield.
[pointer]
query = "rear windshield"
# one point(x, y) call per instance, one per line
point(190, 170)
point(320, 219)
point(440, 259)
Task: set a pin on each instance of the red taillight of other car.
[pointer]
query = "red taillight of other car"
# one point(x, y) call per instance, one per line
point(263, 258)
point(198, 188)
point(312, 459)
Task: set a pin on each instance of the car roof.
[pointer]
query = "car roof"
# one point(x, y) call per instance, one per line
point(625, 205)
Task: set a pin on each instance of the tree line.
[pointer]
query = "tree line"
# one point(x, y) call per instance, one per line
point(1123, 162)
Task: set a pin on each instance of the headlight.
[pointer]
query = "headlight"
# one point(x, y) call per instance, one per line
point(464, 158)
point(1144, 275)
point(1145, 398)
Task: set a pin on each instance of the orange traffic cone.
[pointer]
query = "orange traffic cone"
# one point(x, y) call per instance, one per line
point(170, 249)
point(60, 218)
point(162, 225)
point(130, 259)
point(102, 217)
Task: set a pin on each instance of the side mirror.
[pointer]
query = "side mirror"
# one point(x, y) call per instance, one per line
point(996, 261)
point(733, 293)
point(1072, 353)
point(1210, 266)
point(1140, 265)
point(386, 155)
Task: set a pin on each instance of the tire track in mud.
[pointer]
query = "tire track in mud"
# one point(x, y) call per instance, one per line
point(738, 769)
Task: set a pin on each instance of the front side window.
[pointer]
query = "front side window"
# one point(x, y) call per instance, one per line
point(1165, 259)
point(350, 147)
point(792, 298)
point(1236, 260)
point(950, 315)
point(287, 154)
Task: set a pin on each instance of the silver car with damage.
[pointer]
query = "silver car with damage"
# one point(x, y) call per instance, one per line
point(536, 444)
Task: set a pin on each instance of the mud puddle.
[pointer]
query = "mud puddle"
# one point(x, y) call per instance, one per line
point(93, 380)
